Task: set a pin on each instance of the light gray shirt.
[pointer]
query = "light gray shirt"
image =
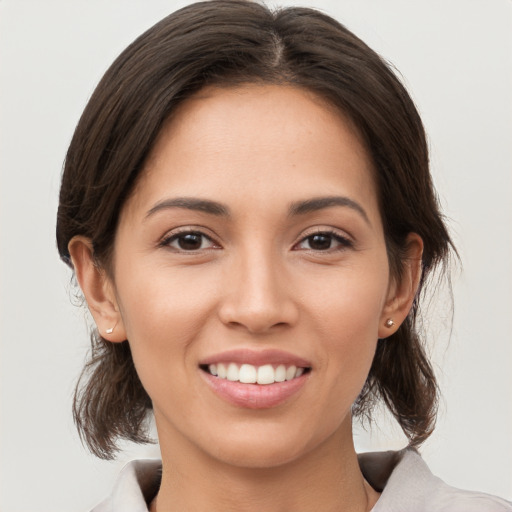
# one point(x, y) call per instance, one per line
point(406, 483)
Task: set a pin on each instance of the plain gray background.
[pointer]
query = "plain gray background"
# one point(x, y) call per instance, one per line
point(455, 57)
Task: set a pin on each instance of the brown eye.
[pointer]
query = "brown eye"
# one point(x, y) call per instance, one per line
point(189, 241)
point(320, 242)
point(324, 241)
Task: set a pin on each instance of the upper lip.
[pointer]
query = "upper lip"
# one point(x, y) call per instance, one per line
point(256, 358)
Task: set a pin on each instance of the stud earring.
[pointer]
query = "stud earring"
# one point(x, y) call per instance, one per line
point(110, 330)
point(389, 323)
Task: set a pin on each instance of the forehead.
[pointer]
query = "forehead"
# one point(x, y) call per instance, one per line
point(282, 109)
point(254, 136)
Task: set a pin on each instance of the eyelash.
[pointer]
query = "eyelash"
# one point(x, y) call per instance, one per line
point(344, 242)
point(176, 236)
point(332, 236)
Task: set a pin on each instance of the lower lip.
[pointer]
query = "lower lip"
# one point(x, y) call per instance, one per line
point(255, 396)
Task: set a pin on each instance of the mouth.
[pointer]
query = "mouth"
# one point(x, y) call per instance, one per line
point(256, 379)
point(251, 374)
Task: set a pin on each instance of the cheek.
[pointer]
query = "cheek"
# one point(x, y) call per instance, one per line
point(162, 312)
point(350, 302)
point(348, 318)
point(159, 302)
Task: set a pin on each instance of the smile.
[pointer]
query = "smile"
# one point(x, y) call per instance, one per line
point(251, 374)
point(256, 379)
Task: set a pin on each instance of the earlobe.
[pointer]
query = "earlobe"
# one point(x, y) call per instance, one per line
point(402, 292)
point(97, 289)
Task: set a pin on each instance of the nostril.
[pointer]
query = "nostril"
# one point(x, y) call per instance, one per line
point(257, 304)
point(255, 324)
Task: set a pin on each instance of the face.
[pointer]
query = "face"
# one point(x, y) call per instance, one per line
point(251, 276)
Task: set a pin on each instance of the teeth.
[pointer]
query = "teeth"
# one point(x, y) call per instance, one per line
point(233, 372)
point(222, 371)
point(266, 374)
point(249, 374)
point(280, 375)
point(290, 372)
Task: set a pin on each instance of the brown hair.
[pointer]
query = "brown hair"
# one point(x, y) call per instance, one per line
point(228, 42)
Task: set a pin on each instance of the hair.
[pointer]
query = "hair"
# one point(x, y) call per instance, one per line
point(228, 43)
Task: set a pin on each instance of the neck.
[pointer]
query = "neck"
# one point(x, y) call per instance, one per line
point(327, 478)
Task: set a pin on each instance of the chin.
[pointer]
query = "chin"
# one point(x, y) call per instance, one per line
point(259, 455)
point(269, 447)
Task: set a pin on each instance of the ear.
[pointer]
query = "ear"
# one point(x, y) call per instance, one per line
point(98, 290)
point(402, 289)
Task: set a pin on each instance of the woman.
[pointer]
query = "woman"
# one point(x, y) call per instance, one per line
point(248, 209)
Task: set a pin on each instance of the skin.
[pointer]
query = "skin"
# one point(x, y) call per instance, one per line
point(256, 280)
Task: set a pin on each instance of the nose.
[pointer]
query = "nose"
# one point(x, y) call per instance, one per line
point(258, 295)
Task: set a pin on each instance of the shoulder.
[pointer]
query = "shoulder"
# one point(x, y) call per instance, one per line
point(451, 499)
point(136, 485)
point(407, 484)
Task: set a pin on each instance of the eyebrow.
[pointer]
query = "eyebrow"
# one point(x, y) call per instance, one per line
point(191, 203)
point(319, 203)
point(296, 208)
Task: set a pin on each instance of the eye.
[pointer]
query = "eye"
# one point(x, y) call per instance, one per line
point(189, 241)
point(324, 241)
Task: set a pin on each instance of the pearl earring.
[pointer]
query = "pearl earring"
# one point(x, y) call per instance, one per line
point(110, 330)
point(389, 323)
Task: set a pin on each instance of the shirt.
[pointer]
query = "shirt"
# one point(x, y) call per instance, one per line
point(406, 483)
